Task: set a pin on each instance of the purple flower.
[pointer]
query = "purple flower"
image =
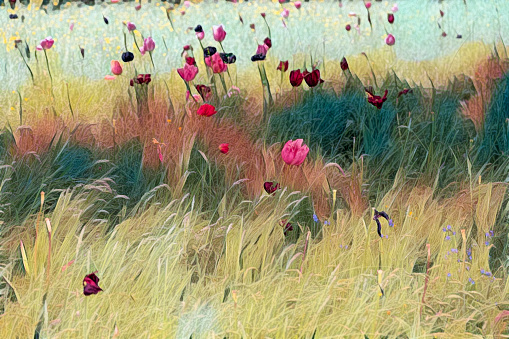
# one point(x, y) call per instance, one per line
point(449, 227)
point(449, 275)
point(482, 271)
point(444, 230)
point(471, 281)
point(447, 238)
point(391, 223)
point(453, 233)
point(487, 243)
point(488, 274)
point(454, 250)
point(326, 222)
point(315, 218)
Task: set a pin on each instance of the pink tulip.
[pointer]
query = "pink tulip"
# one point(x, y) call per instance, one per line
point(38, 47)
point(115, 67)
point(109, 77)
point(131, 27)
point(282, 1)
point(298, 4)
point(368, 5)
point(142, 50)
point(262, 49)
point(71, 27)
point(47, 43)
point(200, 35)
point(285, 13)
point(294, 152)
point(219, 33)
point(394, 8)
point(216, 63)
point(390, 40)
point(148, 44)
point(187, 4)
point(195, 96)
point(188, 72)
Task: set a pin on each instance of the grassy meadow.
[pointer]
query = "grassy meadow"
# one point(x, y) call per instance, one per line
point(106, 173)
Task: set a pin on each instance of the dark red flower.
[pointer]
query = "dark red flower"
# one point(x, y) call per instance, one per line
point(91, 284)
point(252, 26)
point(141, 79)
point(187, 47)
point(376, 100)
point(344, 64)
point(296, 78)
point(441, 13)
point(444, 34)
point(206, 110)
point(263, 15)
point(283, 66)
point(312, 78)
point(348, 28)
point(390, 18)
point(268, 42)
point(287, 226)
point(190, 61)
point(204, 91)
point(270, 187)
point(405, 91)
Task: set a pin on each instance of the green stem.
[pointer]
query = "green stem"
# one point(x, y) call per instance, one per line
point(31, 74)
point(224, 83)
point(20, 110)
point(227, 69)
point(49, 71)
point(136, 42)
point(152, 60)
point(189, 90)
point(69, 100)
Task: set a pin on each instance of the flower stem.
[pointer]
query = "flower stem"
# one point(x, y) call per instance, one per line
point(49, 71)
point(31, 74)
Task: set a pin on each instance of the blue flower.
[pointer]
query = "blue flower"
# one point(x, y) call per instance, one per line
point(487, 243)
point(315, 218)
point(449, 227)
point(448, 238)
point(488, 274)
point(391, 223)
point(471, 281)
point(449, 275)
point(453, 233)
point(444, 230)
point(453, 250)
point(326, 222)
point(482, 271)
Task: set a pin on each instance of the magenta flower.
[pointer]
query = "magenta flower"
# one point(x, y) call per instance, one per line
point(262, 49)
point(46, 43)
point(130, 26)
point(148, 44)
point(294, 152)
point(219, 33)
point(285, 13)
point(216, 63)
point(390, 40)
point(188, 72)
point(297, 4)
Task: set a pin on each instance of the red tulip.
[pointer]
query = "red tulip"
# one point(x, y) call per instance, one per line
point(376, 100)
point(206, 110)
point(294, 152)
point(441, 13)
point(187, 48)
point(115, 67)
point(223, 148)
point(268, 42)
point(90, 284)
point(287, 226)
point(344, 64)
point(270, 187)
point(348, 28)
point(283, 66)
point(190, 61)
point(296, 78)
point(390, 18)
point(204, 91)
point(313, 78)
point(263, 15)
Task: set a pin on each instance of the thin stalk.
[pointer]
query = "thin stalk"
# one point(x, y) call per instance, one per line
point(151, 60)
point(136, 42)
point(69, 100)
point(49, 71)
point(189, 90)
point(31, 74)
point(224, 83)
point(20, 109)
point(227, 69)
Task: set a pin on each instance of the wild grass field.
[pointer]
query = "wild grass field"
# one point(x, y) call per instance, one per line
point(316, 169)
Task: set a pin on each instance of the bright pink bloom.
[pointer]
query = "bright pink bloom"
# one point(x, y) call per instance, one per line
point(200, 35)
point(216, 63)
point(390, 40)
point(219, 33)
point(47, 43)
point(297, 4)
point(206, 110)
point(285, 13)
point(148, 44)
point(188, 72)
point(394, 8)
point(262, 49)
point(368, 5)
point(71, 27)
point(294, 152)
point(187, 4)
point(115, 67)
point(130, 26)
